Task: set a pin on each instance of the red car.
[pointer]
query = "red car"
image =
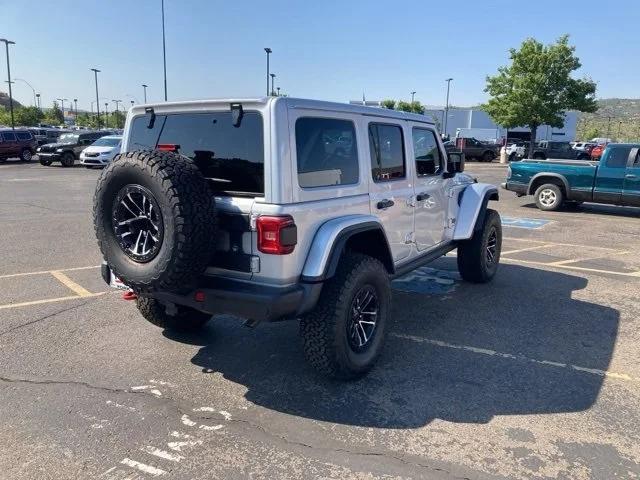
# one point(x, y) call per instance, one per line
point(596, 152)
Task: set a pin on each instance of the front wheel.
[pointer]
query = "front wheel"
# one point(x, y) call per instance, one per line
point(184, 319)
point(344, 335)
point(45, 162)
point(549, 197)
point(26, 155)
point(478, 257)
point(67, 159)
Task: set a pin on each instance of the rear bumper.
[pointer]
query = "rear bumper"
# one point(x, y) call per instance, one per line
point(218, 295)
point(520, 189)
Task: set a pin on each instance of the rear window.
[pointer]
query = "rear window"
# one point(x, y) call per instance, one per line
point(232, 158)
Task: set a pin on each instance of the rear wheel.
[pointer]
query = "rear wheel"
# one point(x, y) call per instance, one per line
point(45, 162)
point(67, 159)
point(488, 157)
point(344, 335)
point(549, 197)
point(26, 155)
point(478, 257)
point(183, 319)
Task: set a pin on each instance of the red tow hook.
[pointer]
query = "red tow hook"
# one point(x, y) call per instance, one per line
point(129, 295)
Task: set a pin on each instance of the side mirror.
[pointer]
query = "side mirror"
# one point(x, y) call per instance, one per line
point(455, 162)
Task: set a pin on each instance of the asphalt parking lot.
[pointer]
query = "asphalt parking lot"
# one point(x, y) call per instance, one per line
point(535, 375)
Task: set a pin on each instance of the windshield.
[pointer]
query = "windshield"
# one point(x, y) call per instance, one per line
point(106, 142)
point(68, 138)
point(232, 158)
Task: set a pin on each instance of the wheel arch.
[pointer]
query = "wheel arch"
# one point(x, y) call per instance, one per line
point(546, 177)
point(361, 233)
point(473, 202)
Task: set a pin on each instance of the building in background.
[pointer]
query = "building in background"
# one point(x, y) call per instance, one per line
point(475, 118)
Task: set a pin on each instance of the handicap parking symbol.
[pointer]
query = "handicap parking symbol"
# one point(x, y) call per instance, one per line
point(530, 223)
point(427, 280)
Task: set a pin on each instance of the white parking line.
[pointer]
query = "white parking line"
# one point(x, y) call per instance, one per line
point(518, 357)
point(172, 457)
point(49, 300)
point(44, 272)
point(155, 471)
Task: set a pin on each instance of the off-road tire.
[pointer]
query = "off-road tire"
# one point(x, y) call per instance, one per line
point(67, 159)
point(473, 259)
point(185, 320)
point(324, 329)
point(45, 162)
point(188, 219)
point(543, 195)
point(26, 155)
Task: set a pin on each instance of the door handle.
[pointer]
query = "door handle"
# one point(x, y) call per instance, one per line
point(386, 203)
point(630, 175)
point(423, 196)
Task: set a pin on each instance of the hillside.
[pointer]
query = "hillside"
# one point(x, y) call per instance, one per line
point(4, 101)
point(618, 118)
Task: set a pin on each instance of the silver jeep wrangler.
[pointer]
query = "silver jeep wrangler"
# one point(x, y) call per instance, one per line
point(283, 208)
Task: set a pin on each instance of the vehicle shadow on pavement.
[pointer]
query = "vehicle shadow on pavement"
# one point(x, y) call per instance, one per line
point(597, 209)
point(432, 366)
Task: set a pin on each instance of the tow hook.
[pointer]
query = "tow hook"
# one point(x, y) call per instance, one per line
point(129, 295)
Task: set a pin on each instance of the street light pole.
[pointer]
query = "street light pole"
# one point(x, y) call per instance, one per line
point(273, 79)
point(268, 51)
point(144, 87)
point(32, 89)
point(278, 89)
point(164, 55)
point(117, 102)
point(95, 71)
point(609, 127)
point(62, 100)
point(413, 94)
point(75, 106)
point(106, 114)
point(446, 108)
point(38, 101)
point(6, 45)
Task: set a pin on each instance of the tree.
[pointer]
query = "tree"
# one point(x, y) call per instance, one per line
point(23, 116)
point(54, 115)
point(390, 104)
point(537, 88)
point(411, 107)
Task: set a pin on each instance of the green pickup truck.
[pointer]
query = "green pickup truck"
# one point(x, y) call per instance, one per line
point(615, 179)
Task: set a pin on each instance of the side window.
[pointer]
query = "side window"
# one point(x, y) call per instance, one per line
point(387, 152)
point(23, 136)
point(9, 136)
point(327, 152)
point(427, 154)
point(618, 157)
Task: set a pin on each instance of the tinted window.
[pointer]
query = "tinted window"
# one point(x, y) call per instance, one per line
point(617, 157)
point(232, 158)
point(8, 136)
point(24, 135)
point(387, 152)
point(427, 154)
point(327, 152)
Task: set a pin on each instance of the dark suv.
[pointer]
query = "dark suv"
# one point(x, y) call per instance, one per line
point(68, 147)
point(17, 144)
point(562, 150)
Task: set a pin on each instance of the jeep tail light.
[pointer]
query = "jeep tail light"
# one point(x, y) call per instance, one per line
point(276, 235)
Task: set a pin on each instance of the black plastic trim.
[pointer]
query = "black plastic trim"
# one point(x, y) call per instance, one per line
point(424, 259)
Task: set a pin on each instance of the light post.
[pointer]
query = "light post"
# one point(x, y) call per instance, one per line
point(619, 129)
point(278, 89)
point(95, 71)
point(273, 80)
point(32, 89)
point(145, 92)
point(413, 94)
point(106, 114)
point(62, 100)
point(268, 51)
point(75, 106)
point(132, 102)
point(38, 101)
point(608, 127)
point(117, 102)
point(164, 55)
point(446, 108)
point(6, 46)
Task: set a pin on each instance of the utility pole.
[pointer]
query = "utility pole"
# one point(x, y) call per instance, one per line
point(144, 87)
point(413, 94)
point(608, 127)
point(268, 51)
point(273, 80)
point(164, 55)
point(6, 45)
point(446, 108)
point(95, 71)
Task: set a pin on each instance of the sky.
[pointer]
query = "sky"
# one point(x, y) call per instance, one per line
point(322, 49)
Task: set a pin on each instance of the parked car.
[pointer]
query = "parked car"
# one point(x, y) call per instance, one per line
point(45, 135)
point(516, 150)
point(19, 143)
point(67, 148)
point(472, 148)
point(101, 152)
point(614, 180)
point(241, 207)
point(561, 150)
point(582, 146)
point(596, 152)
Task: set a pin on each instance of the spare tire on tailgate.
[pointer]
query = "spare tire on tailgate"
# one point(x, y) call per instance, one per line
point(154, 217)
